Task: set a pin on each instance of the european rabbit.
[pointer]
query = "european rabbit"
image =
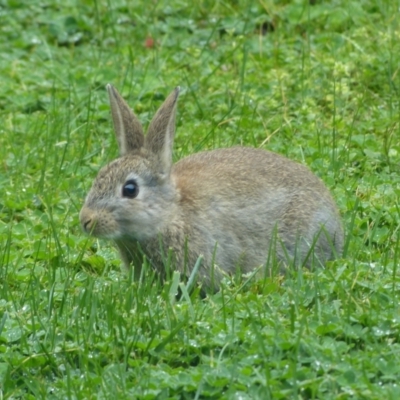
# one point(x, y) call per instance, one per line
point(236, 207)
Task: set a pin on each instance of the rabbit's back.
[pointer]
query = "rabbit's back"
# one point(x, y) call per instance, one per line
point(243, 202)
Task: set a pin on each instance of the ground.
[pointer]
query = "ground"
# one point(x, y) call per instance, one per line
point(315, 81)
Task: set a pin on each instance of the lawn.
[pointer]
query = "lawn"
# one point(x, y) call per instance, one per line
point(316, 81)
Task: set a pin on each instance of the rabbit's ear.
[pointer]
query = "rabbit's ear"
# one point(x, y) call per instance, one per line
point(128, 130)
point(160, 136)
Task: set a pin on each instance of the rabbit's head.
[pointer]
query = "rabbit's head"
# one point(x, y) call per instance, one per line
point(133, 196)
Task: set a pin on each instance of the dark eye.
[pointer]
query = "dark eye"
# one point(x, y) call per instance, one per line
point(130, 189)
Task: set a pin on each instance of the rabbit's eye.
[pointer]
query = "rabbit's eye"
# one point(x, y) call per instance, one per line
point(130, 189)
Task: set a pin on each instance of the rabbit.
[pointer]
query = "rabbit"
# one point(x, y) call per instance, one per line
point(237, 208)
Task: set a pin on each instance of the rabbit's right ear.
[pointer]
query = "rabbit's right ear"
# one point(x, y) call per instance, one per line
point(160, 135)
point(128, 130)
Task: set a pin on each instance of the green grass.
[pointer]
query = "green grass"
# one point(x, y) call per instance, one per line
point(318, 83)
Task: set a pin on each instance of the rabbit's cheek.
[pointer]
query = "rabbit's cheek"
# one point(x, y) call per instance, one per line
point(106, 226)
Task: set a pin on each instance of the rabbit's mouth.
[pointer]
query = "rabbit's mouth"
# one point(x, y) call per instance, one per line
point(99, 224)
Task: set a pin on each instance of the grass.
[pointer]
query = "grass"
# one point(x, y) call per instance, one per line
point(315, 81)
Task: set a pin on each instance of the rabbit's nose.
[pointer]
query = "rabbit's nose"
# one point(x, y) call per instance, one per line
point(87, 224)
point(87, 220)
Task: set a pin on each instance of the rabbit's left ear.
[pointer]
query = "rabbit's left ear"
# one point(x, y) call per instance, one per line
point(160, 136)
point(128, 130)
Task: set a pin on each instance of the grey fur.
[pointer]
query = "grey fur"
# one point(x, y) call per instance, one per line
point(236, 207)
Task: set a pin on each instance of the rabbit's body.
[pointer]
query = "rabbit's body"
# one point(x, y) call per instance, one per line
point(238, 208)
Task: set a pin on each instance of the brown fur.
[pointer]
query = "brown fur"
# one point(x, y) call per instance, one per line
point(234, 207)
